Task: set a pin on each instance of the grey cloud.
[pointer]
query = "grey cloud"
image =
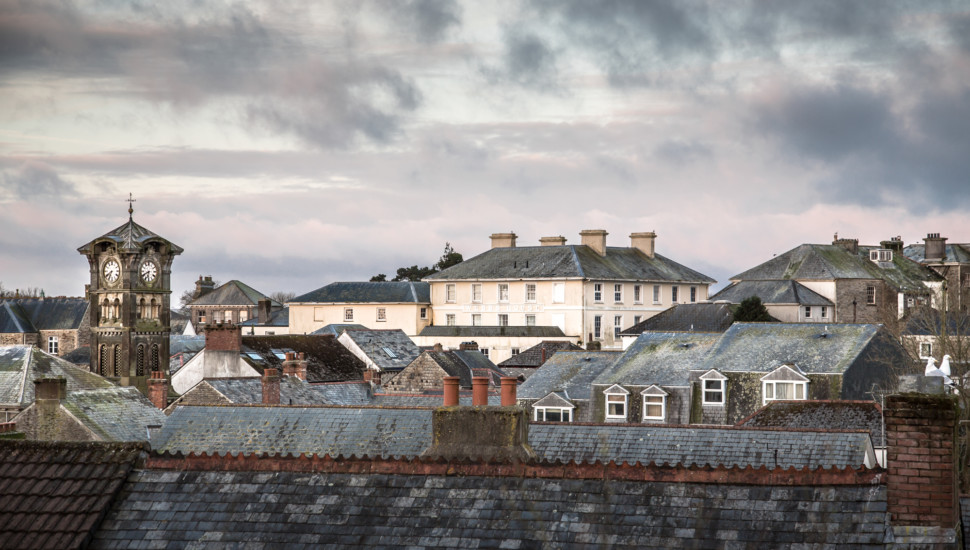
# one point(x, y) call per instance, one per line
point(960, 30)
point(528, 61)
point(34, 180)
point(428, 21)
point(679, 151)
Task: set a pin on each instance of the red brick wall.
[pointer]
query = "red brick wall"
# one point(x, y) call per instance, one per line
point(223, 338)
point(922, 481)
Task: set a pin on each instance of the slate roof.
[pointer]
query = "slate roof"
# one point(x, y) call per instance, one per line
point(955, 252)
point(686, 318)
point(384, 292)
point(114, 414)
point(571, 371)
point(54, 495)
point(27, 315)
point(824, 415)
point(373, 343)
point(233, 293)
point(337, 329)
point(300, 511)
point(464, 331)
point(428, 399)
point(311, 430)
point(128, 237)
point(21, 365)
point(465, 365)
point(727, 446)
point(328, 360)
point(662, 358)
point(344, 393)
point(79, 356)
point(532, 357)
point(829, 262)
point(247, 391)
point(570, 261)
point(278, 317)
point(776, 291)
point(762, 347)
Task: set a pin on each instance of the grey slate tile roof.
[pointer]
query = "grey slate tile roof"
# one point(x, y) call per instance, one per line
point(186, 509)
point(278, 317)
point(344, 393)
point(129, 237)
point(373, 343)
point(828, 262)
point(685, 445)
point(329, 360)
point(686, 318)
point(465, 331)
point(775, 291)
point(569, 261)
point(762, 347)
point(55, 494)
point(532, 357)
point(955, 252)
point(21, 365)
point(312, 430)
point(293, 391)
point(662, 358)
point(115, 414)
point(389, 292)
point(465, 365)
point(429, 399)
point(35, 314)
point(824, 415)
point(571, 371)
point(233, 293)
point(338, 329)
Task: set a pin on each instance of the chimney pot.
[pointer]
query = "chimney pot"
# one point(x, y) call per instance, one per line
point(503, 240)
point(479, 391)
point(935, 247)
point(509, 386)
point(451, 391)
point(595, 239)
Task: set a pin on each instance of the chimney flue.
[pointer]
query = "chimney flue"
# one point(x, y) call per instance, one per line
point(479, 391)
point(644, 242)
point(595, 239)
point(451, 391)
point(935, 247)
point(158, 389)
point(263, 310)
point(503, 240)
point(509, 386)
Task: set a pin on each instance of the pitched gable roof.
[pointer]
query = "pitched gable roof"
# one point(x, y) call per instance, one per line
point(387, 292)
point(466, 364)
point(328, 360)
point(569, 261)
point(14, 319)
point(663, 358)
point(775, 291)
point(824, 415)
point(114, 414)
point(245, 391)
point(534, 356)
point(129, 237)
point(21, 365)
point(955, 252)
point(569, 371)
point(233, 293)
point(390, 350)
point(702, 317)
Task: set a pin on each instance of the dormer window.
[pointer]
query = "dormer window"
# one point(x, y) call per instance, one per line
point(881, 255)
point(654, 403)
point(786, 383)
point(616, 400)
point(712, 386)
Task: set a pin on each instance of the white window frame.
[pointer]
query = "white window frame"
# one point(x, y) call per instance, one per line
point(381, 315)
point(484, 351)
point(870, 294)
point(825, 312)
point(503, 292)
point(657, 296)
point(348, 314)
point(476, 319)
point(617, 326)
point(792, 377)
point(530, 320)
point(450, 295)
point(617, 293)
point(559, 293)
point(53, 345)
point(530, 292)
point(503, 319)
point(713, 382)
point(476, 293)
point(515, 351)
point(423, 313)
point(654, 392)
point(674, 294)
point(881, 255)
point(566, 414)
point(637, 319)
point(808, 312)
point(693, 294)
point(597, 327)
point(637, 294)
point(620, 397)
point(450, 320)
point(925, 350)
point(598, 293)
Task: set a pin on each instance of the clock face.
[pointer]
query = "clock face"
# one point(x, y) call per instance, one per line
point(149, 271)
point(112, 271)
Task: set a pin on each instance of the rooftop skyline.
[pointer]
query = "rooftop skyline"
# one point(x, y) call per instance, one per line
point(290, 145)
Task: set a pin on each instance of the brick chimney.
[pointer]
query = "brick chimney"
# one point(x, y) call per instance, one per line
point(480, 433)
point(644, 242)
point(479, 391)
point(203, 286)
point(895, 244)
point(934, 247)
point(468, 346)
point(295, 365)
point(503, 240)
point(552, 241)
point(158, 389)
point(263, 310)
point(451, 391)
point(595, 239)
point(921, 487)
point(509, 387)
point(271, 387)
point(223, 337)
point(851, 245)
point(438, 347)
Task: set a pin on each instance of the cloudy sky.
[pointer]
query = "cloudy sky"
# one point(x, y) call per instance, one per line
point(291, 144)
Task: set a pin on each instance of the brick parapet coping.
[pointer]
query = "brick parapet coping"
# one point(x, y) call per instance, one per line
point(548, 470)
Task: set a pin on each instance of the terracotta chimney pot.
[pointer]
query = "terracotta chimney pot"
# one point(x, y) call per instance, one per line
point(479, 391)
point(451, 391)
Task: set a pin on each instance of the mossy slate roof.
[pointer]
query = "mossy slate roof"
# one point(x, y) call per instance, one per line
point(776, 291)
point(570, 262)
point(662, 358)
point(328, 360)
point(233, 293)
point(27, 315)
point(114, 414)
point(21, 365)
point(389, 292)
point(686, 318)
point(375, 344)
point(825, 415)
point(532, 357)
point(569, 371)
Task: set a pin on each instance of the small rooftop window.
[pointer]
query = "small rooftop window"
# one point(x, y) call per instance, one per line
point(390, 353)
point(881, 255)
point(254, 356)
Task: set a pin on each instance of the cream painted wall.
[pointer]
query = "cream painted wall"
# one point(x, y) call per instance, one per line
point(825, 288)
point(306, 318)
point(499, 348)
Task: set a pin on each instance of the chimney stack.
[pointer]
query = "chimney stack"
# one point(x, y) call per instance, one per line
point(895, 244)
point(158, 389)
point(438, 347)
point(203, 286)
point(552, 241)
point(451, 391)
point(595, 239)
point(263, 309)
point(851, 245)
point(509, 386)
point(480, 433)
point(503, 240)
point(271, 387)
point(50, 389)
point(935, 247)
point(219, 337)
point(644, 242)
point(295, 365)
point(468, 346)
point(479, 391)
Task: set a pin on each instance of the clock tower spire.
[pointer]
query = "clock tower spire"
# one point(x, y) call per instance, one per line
point(130, 298)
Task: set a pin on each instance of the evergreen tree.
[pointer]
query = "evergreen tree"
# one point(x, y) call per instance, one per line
point(751, 310)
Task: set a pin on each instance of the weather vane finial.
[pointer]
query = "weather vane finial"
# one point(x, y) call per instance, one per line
point(131, 201)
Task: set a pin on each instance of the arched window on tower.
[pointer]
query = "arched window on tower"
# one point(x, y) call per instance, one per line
point(116, 310)
point(154, 311)
point(117, 362)
point(105, 309)
point(140, 360)
point(153, 360)
point(104, 361)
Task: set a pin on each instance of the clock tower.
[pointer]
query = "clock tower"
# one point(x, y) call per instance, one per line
point(129, 295)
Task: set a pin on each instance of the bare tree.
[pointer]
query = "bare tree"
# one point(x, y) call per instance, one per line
point(282, 296)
